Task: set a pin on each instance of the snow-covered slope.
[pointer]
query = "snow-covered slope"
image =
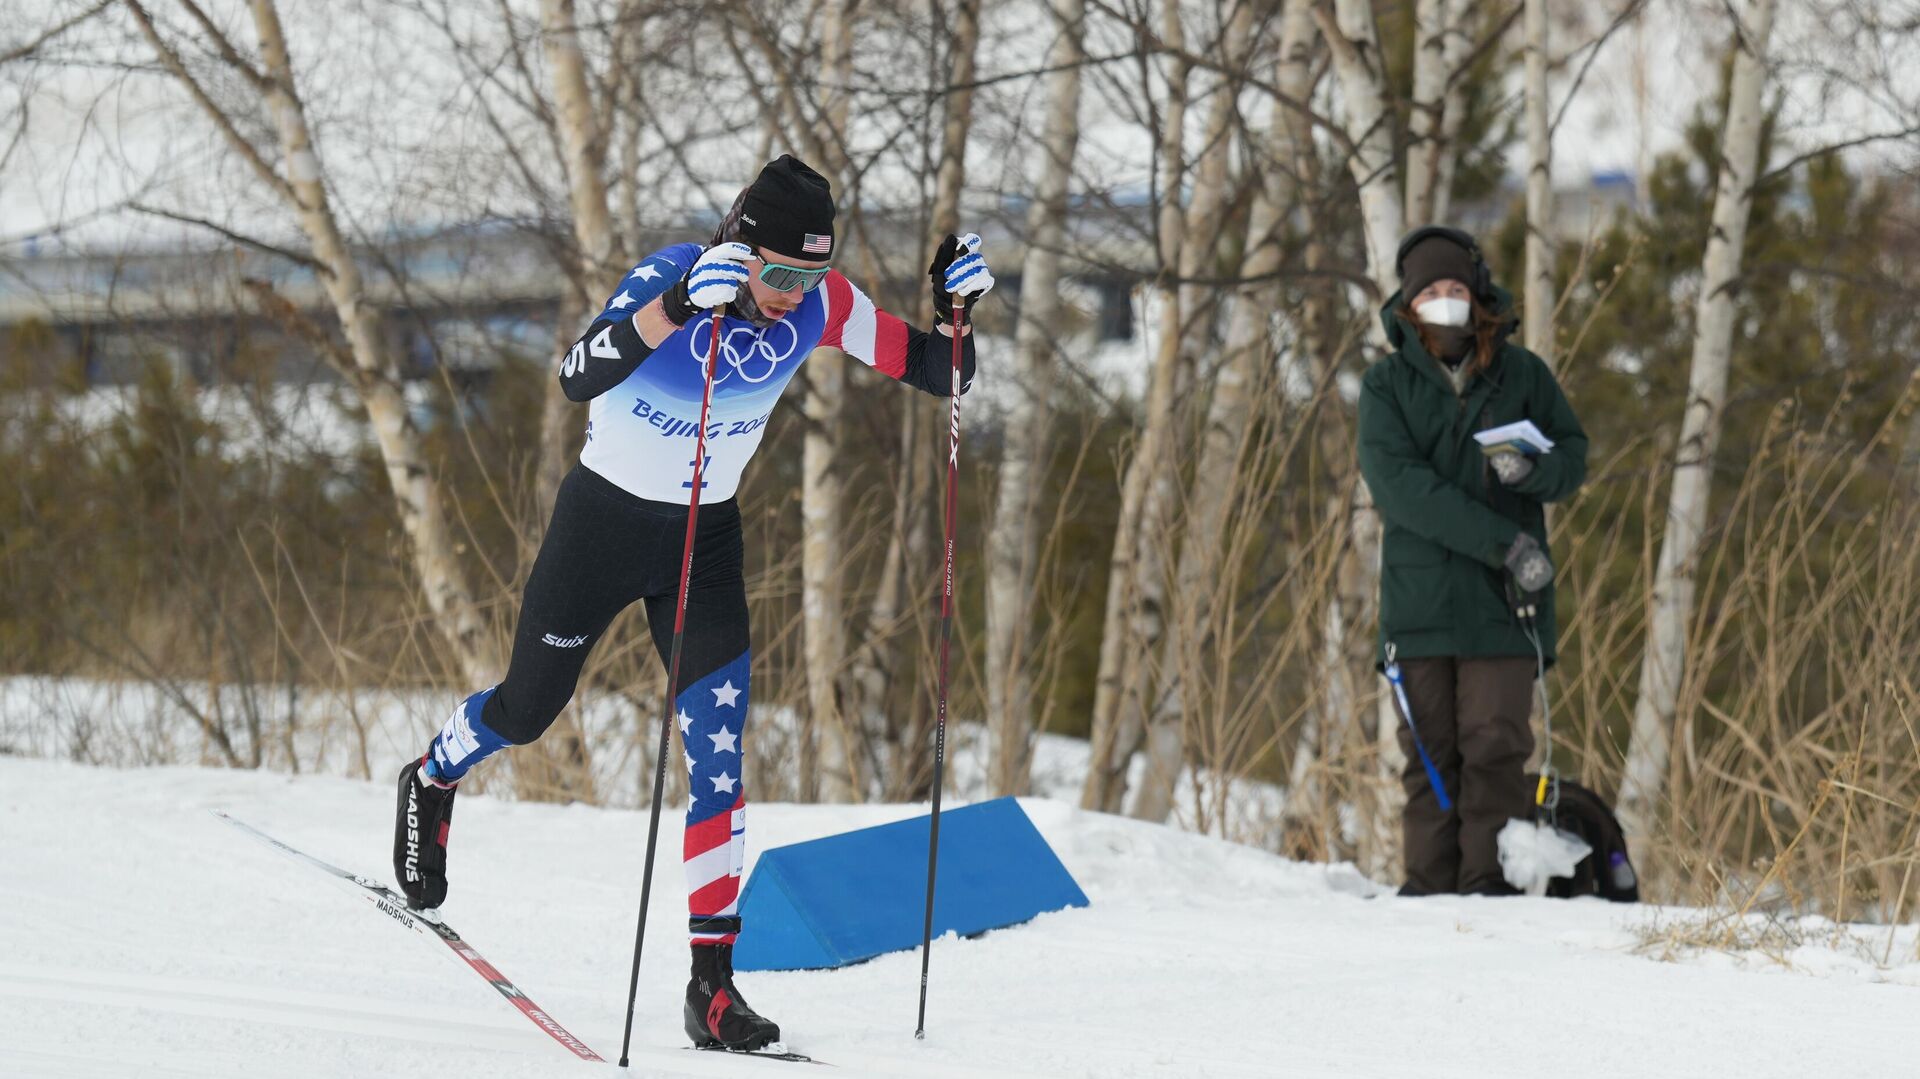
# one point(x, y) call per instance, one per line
point(139, 936)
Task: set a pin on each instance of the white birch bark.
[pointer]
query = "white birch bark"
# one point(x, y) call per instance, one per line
point(1425, 121)
point(1671, 603)
point(879, 655)
point(1438, 203)
point(1012, 541)
point(581, 136)
point(1295, 149)
point(1354, 43)
point(372, 370)
point(1132, 608)
point(1358, 66)
point(823, 493)
point(1196, 573)
point(1537, 319)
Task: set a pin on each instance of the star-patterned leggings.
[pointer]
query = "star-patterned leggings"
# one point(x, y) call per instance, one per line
point(605, 549)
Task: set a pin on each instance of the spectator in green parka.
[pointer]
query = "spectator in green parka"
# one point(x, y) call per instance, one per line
point(1463, 549)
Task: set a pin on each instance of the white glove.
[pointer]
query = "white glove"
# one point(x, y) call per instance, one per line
point(717, 278)
point(967, 274)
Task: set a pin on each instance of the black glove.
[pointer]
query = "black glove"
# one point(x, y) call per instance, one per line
point(1527, 561)
point(970, 277)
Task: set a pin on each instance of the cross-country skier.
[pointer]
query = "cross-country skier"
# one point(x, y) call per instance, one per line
point(620, 518)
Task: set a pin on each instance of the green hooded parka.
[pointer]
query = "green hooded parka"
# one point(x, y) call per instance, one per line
point(1448, 521)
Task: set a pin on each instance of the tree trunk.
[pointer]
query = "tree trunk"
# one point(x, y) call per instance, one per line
point(902, 573)
point(1354, 42)
point(1295, 150)
point(1357, 63)
point(822, 505)
point(1134, 592)
point(1425, 121)
point(1671, 602)
point(1453, 114)
point(1205, 512)
point(581, 136)
point(375, 373)
point(1538, 319)
point(1012, 543)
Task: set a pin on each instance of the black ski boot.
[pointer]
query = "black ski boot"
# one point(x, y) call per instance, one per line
point(420, 836)
point(717, 1017)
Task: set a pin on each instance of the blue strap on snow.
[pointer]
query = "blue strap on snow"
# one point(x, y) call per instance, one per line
point(1392, 671)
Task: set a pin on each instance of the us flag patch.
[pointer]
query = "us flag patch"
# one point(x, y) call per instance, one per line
point(815, 244)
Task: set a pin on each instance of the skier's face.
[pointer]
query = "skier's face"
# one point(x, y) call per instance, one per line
point(773, 302)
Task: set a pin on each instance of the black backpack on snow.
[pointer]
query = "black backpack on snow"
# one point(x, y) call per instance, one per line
point(1607, 872)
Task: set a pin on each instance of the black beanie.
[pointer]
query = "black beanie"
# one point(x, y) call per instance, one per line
point(789, 210)
point(1435, 258)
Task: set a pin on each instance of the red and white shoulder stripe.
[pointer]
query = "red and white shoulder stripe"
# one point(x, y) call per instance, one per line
point(861, 330)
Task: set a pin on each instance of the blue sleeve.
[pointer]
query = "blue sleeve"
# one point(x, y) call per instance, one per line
point(611, 348)
point(649, 278)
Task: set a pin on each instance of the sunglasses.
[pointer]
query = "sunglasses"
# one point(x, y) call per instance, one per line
point(783, 278)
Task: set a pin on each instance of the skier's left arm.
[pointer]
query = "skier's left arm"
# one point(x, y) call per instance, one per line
point(883, 341)
point(1557, 474)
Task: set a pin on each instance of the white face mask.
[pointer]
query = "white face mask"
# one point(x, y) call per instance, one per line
point(1444, 312)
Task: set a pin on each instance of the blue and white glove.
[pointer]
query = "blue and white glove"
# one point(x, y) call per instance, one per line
point(715, 281)
point(958, 266)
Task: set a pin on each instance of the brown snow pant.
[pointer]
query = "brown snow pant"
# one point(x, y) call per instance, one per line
point(1474, 716)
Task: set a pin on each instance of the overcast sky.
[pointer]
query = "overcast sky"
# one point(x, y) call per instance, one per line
point(404, 144)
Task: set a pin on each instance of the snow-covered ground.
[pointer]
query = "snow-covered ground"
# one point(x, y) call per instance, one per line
point(142, 937)
point(370, 731)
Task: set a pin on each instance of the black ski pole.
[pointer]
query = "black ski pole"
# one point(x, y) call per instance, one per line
point(946, 647)
point(673, 681)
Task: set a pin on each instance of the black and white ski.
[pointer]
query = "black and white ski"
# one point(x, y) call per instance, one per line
point(426, 923)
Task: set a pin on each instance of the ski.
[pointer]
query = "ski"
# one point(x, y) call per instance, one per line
point(763, 1054)
point(426, 923)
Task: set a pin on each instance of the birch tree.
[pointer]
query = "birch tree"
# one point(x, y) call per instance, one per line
point(1350, 33)
point(1012, 542)
point(879, 657)
point(1671, 599)
point(823, 491)
point(582, 136)
point(1426, 146)
point(1434, 202)
point(1132, 617)
point(366, 361)
point(1213, 480)
point(1354, 43)
point(1537, 322)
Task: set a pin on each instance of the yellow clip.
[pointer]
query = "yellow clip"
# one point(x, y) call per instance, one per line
point(1540, 796)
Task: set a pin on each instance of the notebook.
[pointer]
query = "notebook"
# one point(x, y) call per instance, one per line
point(1520, 437)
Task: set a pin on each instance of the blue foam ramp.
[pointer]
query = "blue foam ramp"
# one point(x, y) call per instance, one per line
point(849, 897)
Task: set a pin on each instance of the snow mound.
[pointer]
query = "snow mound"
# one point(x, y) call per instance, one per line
point(144, 937)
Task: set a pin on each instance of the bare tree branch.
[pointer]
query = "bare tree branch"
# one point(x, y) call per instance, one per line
point(1797, 160)
point(170, 59)
point(242, 239)
point(224, 46)
point(21, 52)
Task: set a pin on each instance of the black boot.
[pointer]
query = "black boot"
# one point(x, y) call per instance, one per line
point(716, 1015)
point(420, 837)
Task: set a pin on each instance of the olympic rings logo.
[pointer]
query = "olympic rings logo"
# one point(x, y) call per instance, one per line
point(752, 354)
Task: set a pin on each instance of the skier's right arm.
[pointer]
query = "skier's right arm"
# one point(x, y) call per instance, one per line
point(655, 299)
